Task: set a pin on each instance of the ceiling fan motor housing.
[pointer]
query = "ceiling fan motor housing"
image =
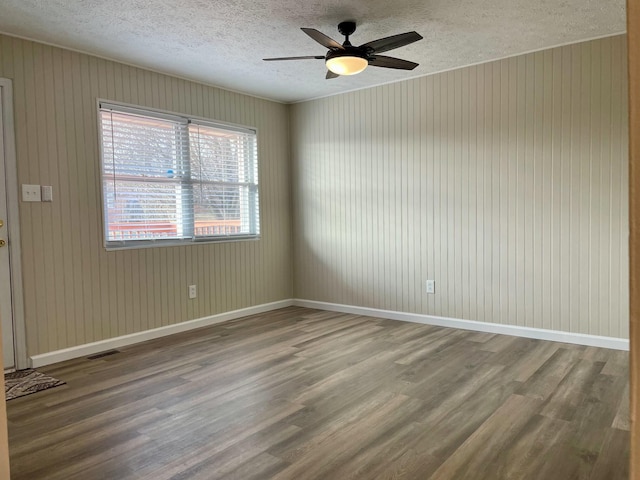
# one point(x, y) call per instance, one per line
point(347, 52)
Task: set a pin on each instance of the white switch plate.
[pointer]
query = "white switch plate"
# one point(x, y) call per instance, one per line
point(431, 286)
point(193, 293)
point(47, 193)
point(31, 193)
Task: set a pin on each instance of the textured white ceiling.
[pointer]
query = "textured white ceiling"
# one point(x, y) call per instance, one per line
point(222, 42)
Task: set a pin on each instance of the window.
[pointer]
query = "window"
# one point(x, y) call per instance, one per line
point(173, 179)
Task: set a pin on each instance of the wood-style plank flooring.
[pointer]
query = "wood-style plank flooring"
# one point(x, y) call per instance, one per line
point(305, 394)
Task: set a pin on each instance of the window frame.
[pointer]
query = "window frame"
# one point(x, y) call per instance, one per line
point(114, 245)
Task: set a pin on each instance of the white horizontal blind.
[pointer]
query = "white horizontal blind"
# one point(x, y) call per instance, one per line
point(166, 180)
point(225, 181)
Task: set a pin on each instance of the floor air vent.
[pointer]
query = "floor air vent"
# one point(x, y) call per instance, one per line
point(103, 354)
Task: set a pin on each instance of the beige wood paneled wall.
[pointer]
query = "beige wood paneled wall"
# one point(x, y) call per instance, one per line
point(75, 291)
point(505, 182)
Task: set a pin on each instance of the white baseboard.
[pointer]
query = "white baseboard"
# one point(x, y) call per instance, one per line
point(515, 330)
point(518, 331)
point(130, 339)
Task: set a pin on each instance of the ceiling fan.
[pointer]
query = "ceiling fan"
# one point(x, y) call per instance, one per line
point(347, 59)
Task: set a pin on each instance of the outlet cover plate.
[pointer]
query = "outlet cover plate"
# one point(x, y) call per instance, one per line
point(431, 286)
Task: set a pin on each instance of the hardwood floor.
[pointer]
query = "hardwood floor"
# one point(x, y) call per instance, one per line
point(306, 394)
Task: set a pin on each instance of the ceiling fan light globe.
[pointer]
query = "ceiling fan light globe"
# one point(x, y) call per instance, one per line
point(347, 65)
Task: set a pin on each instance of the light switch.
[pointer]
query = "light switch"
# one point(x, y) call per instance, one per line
point(31, 193)
point(47, 193)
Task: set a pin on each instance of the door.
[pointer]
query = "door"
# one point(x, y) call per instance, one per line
point(6, 310)
point(633, 42)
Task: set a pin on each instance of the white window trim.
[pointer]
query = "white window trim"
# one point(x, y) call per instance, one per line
point(169, 115)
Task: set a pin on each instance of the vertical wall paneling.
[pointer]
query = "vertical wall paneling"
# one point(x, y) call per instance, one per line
point(75, 291)
point(505, 182)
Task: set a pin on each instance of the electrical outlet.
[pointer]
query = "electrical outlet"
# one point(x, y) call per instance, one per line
point(193, 292)
point(431, 286)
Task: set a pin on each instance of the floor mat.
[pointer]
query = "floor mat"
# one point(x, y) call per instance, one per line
point(26, 382)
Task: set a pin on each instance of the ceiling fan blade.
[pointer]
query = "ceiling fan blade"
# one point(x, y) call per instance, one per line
point(395, 41)
point(322, 39)
point(331, 75)
point(391, 62)
point(311, 57)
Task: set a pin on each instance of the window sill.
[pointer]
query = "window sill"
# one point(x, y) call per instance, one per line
point(137, 244)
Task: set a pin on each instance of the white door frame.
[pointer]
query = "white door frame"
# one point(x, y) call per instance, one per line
point(11, 178)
